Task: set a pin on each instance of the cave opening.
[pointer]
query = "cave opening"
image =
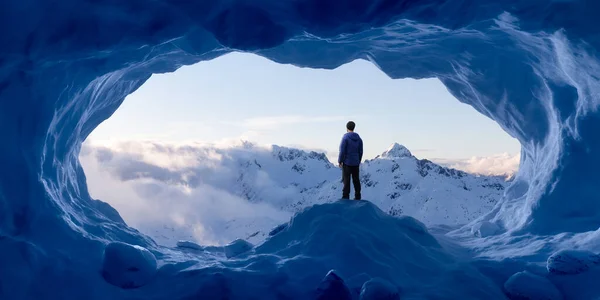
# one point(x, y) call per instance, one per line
point(171, 158)
point(531, 66)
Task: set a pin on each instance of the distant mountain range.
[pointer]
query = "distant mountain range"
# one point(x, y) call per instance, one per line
point(396, 181)
point(291, 179)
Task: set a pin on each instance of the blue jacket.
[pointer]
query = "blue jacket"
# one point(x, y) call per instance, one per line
point(351, 149)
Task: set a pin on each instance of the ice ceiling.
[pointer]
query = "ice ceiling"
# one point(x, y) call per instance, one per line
point(65, 66)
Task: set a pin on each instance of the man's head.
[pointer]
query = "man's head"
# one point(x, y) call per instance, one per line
point(350, 126)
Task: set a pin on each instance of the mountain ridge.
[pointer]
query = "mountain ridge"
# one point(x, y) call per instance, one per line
point(396, 181)
point(291, 179)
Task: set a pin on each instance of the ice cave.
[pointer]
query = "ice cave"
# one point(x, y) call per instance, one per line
point(532, 66)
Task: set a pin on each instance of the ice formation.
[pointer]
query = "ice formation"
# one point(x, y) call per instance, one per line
point(65, 66)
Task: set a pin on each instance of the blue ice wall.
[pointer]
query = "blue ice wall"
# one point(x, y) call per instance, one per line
point(65, 66)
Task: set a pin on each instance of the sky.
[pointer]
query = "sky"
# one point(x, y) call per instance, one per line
point(246, 97)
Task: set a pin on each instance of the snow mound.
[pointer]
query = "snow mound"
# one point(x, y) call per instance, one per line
point(237, 247)
point(358, 239)
point(353, 238)
point(575, 273)
point(379, 289)
point(528, 286)
point(127, 266)
point(572, 262)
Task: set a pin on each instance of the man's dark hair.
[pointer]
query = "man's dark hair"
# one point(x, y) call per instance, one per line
point(350, 125)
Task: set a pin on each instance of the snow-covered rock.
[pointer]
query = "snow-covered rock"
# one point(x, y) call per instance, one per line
point(237, 247)
point(127, 266)
point(569, 262)
point(332, 287)
point(278, 229)
point(527, 286)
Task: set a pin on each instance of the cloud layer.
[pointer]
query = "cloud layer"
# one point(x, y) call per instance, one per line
point(167, 193)
point(500, 164)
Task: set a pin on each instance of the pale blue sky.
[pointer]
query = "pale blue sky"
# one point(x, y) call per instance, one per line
point(244, 96)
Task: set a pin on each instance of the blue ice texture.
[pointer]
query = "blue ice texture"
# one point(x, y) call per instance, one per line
point(525, 285)
point(572, 262)
point(127, 266)
point(532, 66)
point(333, 287)
point(189, 245)
point(378, 288)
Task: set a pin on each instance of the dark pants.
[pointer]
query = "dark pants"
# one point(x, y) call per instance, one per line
point(348, 171)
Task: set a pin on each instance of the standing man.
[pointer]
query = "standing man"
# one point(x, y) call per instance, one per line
point(351, 152)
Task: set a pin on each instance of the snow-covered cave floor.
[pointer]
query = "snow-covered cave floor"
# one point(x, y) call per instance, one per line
point(393, 254)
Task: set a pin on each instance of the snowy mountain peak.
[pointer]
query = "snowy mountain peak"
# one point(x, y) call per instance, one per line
point(247, 144)
point(292, 154)
point(396, 151)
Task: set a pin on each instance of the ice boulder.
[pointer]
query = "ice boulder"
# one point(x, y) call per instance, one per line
point(572, 262)
point(527, 286)
point(127, 266)
point(379, 289)
point(333, 287)
point(237, 247)
point(189, 245)
point(356, 282)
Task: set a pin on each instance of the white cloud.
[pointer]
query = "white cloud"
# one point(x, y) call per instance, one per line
point(167, 193)
point(499, 164)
